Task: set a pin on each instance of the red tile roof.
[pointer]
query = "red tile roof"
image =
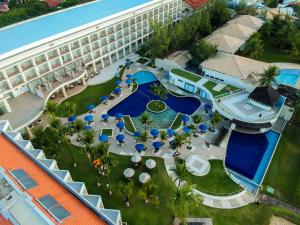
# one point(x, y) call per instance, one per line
point(196, 3)
point(12, 158)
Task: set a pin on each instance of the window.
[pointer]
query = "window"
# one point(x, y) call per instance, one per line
point(23, 178)
point(53, 207)
point(180, 80)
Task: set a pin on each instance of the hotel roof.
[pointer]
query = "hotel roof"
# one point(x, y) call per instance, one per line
point(12, 158)
point(196, 3)
point(42, 27)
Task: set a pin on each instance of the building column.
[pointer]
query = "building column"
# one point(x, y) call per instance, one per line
point(64, 92)
point(28, 130)
point(94, 67)
point(6, 105)
point(83, 81)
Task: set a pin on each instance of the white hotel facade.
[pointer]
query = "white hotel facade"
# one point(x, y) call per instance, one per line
point(46, 64)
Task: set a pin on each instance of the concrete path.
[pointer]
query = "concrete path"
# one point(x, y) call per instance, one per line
point(223, 202)
point(283, 65)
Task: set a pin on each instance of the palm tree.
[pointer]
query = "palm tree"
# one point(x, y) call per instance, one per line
point(178, 142)
point(78, 126)
point(197, 118)
point(144, 137)
point(107, 164)
point(69, 108)
point(145, 119)
point(126, 189)
point(268, 77)
point(159, 91)
point(87, 139)
point(38, 132)
point(149, 193)
point(182, 201)
point(182, 173)
point(99, 150)
point(163, 135)
point(217, 118)
point(51, 107)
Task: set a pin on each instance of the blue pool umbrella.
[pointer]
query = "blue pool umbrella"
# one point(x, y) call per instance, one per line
point(105, 116)
point(207, 107)
point(118, 82)
point(120, 125)
point(103, 138)
point(118, 90)
point(89, 118)
point(72, 118)
point(187, 130)
point(137, 134)
point(128, 81)
point(157, 145)
point(88, 127)
point(129, 76)
point(185, 119)
point(203, 127)
point(119, 116)
point(120, 138)
point(90, 107)
point(139, 147)
point(154, 132)
point(170, 132)
point(104, 98)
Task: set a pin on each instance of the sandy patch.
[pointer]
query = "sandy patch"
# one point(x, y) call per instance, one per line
point(279, 221)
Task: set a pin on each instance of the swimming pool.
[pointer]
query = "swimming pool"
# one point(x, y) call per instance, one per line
point(135, 104)
point(248, 155)
point(288, 77)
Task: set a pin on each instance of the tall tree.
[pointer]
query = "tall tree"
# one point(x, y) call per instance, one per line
point(107, 164)
point(215, 120)
point(269, 75)
point(219, 12)
point(69, 108)
point(181, 202)
point(178, 142)
point(254, 47)
point(145, 119)
point(126, 189)
point(78, 126)
point(87, 139)
point(51, 107)
point(202, 50)
point(149, 193)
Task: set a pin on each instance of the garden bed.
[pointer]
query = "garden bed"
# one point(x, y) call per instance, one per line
point(156, 106)
point(129, 126)
point(107, 131)
point(176, 122)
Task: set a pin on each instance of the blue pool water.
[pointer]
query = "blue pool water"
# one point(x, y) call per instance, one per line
point(250, 154)
point(288, 77)
point(43, 27)
point(136, 103)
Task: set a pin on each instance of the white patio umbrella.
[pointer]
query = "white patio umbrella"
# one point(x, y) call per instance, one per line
point(150, 163)
point(129, 172)
point(144, 178)
point(136, 158)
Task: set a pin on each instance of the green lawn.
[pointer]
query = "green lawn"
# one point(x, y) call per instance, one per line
point(128, 124)
point(187, 75)
point(253, 214)
point(156, 106)
point(284, 172)
point(216, 182)
point(176, 122)
point(226, 90)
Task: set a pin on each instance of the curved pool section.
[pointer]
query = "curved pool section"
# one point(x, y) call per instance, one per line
point(135, 104)
point(248, 155)
point(288, 77)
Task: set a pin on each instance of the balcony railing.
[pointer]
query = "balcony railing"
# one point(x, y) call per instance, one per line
point(26, 67)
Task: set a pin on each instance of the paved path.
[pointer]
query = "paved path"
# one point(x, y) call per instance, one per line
point(223, 202)
point(282, 65)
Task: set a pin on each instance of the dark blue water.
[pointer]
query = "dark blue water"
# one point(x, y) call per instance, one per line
point(136, 103)
point(250, 154)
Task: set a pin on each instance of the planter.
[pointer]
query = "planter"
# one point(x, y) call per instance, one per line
point(156, 106)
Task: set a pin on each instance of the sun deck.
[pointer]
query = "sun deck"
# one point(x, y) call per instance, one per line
point(55, 23)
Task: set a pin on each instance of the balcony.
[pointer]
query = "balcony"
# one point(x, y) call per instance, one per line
point(75, 46)
point(4, 86)
point(64, 51)
point(94, 38)
point(2, 77)
point(52, 56)
point(16, 83)
point(40, 60)
point(55, 65)
point(27, 66)
point(12, 73)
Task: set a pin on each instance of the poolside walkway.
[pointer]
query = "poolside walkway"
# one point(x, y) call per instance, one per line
point(283, 65)
point(223, 202)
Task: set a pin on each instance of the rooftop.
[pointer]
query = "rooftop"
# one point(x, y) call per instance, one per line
point(187, 75)
point(46, 26)
point(236, 66)
point(11, 158)
point(196, 3)
point(265, 95)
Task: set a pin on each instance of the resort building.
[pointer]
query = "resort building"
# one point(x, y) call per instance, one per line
point(52, 56)
point(35, 191)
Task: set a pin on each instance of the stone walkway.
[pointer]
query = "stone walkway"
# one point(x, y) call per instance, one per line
point(223, 202)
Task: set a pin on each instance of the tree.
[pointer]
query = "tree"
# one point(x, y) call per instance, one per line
point(177, 36)
point(143, 138)
point(159, 91)
point(219, 13)
point(69, 108)
point(286, 35)
point(197, 118)
point(87, 139)
point(268, 76)
point(145, 119)
point(182, 200)
point(272, 3)
point(163, 135)
point(78, 126)
point(217, 118)
point(202, 50)
point(126, 189)
point(99, 150)
point(159, 42)
point(178, 142)
point(51, 108)
point(244, 9)
point(182, 173)
point(149, 193)
point(254, 47)
point(204, 25)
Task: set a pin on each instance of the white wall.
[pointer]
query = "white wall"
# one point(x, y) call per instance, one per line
point(166, 64)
